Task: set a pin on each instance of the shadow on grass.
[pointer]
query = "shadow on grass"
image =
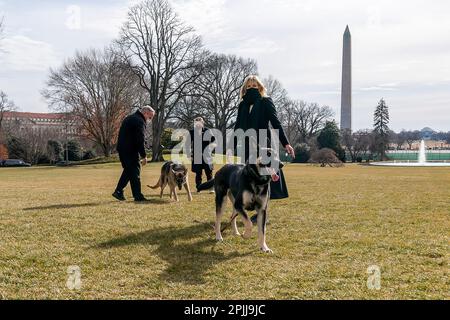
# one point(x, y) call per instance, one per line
point(67, 206)
point(152, 200)
point(188, 261)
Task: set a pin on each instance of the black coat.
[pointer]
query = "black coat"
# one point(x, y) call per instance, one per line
point(131, 141)
point(205, 144)
point(262, 115)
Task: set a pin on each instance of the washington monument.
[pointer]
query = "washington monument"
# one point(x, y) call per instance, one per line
point(346, 93)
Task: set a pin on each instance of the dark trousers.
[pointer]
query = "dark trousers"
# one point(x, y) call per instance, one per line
point(131, 173)
point(198, 170)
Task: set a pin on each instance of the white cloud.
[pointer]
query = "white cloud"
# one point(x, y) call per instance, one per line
point(25, 54)
point(106, 20)
point(256, 46)
point(208, 17)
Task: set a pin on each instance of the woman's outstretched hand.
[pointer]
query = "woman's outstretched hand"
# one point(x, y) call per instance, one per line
point(290, 151)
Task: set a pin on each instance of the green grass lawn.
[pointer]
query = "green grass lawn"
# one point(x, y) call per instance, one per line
point(336, 223)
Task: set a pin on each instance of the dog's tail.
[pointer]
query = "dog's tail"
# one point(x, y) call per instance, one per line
point(157, 185)
point(206, 186)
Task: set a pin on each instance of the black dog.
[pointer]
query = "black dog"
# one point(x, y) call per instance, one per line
point(247, 186)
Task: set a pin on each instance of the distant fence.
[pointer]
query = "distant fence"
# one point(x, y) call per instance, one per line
point(408, 155)
point(396, 155)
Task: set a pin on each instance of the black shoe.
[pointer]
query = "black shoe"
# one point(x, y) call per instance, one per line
point(119, 196)
point(141, 199)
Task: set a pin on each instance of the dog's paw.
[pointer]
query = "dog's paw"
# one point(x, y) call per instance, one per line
point(266, 250)
point(237, 234)
point(247, 235)
point(219, 239)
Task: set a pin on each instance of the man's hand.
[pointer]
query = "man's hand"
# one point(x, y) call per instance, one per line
point(144, 161)
point(290, 151)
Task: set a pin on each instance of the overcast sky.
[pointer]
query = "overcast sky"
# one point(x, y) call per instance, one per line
point(401, 49)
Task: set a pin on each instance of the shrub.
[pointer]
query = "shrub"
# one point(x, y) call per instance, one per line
point(329, 137)
point(302, 153)
point(90, 154)
point(325, 157)
point(43, 159)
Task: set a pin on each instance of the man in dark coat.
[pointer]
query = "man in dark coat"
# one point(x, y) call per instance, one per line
point(131, 145)
point(198, 162)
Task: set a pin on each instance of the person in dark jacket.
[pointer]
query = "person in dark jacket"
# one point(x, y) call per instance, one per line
point(199, 163)
point(131, 145)
point(257, 111)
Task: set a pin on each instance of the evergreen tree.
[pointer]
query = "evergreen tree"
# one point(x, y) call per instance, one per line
point(73, 150)
point(329, 137)
point(381, 129)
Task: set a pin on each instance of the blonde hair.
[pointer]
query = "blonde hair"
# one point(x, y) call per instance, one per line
point(253, 78)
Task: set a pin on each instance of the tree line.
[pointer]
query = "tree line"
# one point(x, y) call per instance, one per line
point(159, 60)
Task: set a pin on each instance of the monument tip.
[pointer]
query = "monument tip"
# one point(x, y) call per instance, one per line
point(347, 30)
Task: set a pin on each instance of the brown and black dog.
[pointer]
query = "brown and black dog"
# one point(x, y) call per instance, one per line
point(247, 186)
point(175, 175)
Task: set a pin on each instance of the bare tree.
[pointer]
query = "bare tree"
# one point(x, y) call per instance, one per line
point(188, 108)
point(219, 87)
point(286, 107)
point(6, 105)
point(357, 144)
point(29, 143)
point(400, 139)
point(410, 137)
point(304, 120)
point(276, 91)
point(165, 54)
point(35, 143)
point(98, 89)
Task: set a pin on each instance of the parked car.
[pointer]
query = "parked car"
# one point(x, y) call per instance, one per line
point(63, 164)
point(14, 163)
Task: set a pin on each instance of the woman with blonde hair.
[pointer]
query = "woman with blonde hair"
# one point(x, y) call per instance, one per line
point(257, 111)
